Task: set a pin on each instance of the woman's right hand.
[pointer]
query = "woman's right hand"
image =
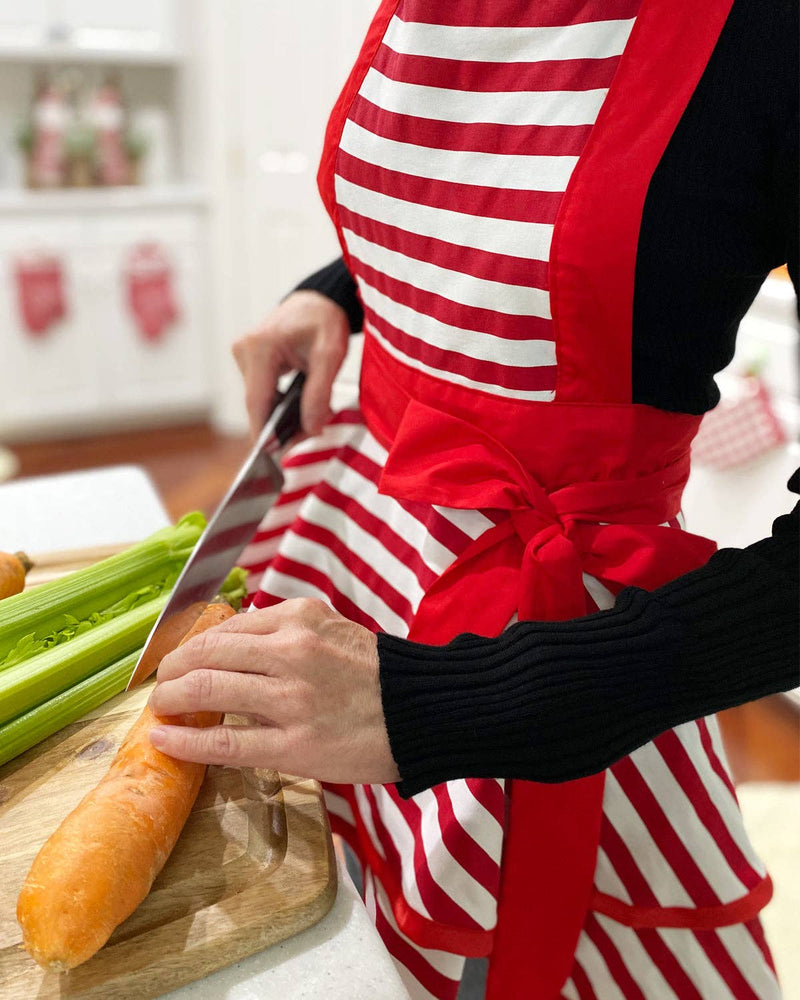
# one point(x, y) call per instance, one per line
point(306, 332)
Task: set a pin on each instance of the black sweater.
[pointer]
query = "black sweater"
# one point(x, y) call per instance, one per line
point(556, 701)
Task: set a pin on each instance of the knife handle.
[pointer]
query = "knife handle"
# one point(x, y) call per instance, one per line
point(284, 420)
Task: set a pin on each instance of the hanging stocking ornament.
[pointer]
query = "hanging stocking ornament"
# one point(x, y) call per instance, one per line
point(149, 283)
point(40, 292)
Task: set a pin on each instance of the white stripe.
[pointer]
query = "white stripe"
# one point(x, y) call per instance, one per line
point(471, 522)
point(312, 554)
point(280, 585)
point(747, 956)
point(480, 293)
point(592, 40)
point(511, 172)
point(607, 880)
point(339, 806)
point(478, 822)
point(696, 964)
point(459, 884)
point(515, 107)
point(601, 595)
point(718, 791)
point(660, 877)
point(682, 816)
point(637, 961)
point(530, 240)
point(444, 962)
point(594, 966)
point(543, 395)
point(364, 545)
point(471, 343)
point(403, 839)
point(434, 555)
point(365, 812)
point(569, 992)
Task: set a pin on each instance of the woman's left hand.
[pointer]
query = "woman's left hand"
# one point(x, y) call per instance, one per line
point(306, 679)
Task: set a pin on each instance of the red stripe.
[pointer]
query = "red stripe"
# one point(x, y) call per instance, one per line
point(664, 835)
point(669, 966)
point(490, 795)
point(757, 934)
point(469, 854)
point(553, 14)
point(622, 861)
point(381, 532)
point(719, 768)
point(484, 264)
point(489, 374)
point(496, 323)
point(683, 769)
point(614, 963)
point(475, 76)
point(726, 965)
point(491, 202)
point(356, 566)
point(582, 984)
point(319, 580)
point(442, 908)
point(477, 137)
point(294, 460)
point(435, 524)
point(221, 541)
point(432, 980)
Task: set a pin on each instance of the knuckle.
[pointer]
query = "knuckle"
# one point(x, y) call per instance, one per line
point(222, 741)
point(201, 686)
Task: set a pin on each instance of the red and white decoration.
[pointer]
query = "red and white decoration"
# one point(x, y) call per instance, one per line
point(40, 292)
point(740, 428)
point(149, 284)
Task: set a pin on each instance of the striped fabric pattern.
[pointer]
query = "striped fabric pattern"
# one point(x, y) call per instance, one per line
point(451, 167)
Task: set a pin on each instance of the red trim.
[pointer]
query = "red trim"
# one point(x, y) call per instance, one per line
point(593, 253)
point(695, 918)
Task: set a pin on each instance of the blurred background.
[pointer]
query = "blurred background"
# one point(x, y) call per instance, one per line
point(158, 197)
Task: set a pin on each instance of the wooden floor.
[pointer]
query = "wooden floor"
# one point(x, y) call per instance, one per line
point(192, 466)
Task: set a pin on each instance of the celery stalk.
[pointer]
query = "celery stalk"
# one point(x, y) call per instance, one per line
point(47, 674)
point(43, 610)
point(42, 721)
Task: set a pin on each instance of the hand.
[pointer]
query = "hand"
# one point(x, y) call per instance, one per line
point(306, 678)
point(308, 332)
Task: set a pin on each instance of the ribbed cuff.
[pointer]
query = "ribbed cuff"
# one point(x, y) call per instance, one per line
point(336, 283)
point(555, 701)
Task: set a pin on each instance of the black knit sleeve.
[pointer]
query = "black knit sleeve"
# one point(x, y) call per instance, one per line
point(336, 282)
point(554, 701)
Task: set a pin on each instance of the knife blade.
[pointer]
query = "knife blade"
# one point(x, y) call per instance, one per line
point(253, 491)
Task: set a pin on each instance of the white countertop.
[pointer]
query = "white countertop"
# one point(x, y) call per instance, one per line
point(339, 958)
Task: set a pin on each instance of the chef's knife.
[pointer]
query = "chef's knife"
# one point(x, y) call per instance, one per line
point(254, 490)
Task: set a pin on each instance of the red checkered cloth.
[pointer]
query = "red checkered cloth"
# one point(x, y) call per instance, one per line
point(741, 427)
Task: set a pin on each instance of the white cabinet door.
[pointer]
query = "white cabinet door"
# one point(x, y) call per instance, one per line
point(23, 23)
point(52, 378)
point(138, 25)
point(142, 377)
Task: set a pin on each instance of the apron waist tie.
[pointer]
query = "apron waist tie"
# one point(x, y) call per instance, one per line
point(532, 562)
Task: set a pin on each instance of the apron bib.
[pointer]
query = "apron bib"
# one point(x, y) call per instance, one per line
point(496, 470)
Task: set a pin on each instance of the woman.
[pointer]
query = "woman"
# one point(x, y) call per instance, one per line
point(555, 215)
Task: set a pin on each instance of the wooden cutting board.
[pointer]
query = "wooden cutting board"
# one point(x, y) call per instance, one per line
point(254, 866)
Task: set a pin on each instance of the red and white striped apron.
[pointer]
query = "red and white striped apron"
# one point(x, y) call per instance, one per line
point(486, 167)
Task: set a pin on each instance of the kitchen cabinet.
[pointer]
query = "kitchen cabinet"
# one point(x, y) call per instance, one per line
point(95, 368)
point(43, 29)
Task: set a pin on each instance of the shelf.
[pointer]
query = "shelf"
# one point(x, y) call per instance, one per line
point(23, 201)
point(72, 54)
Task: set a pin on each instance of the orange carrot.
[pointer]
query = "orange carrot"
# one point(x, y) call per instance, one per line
point(101, 862)
point(13, 567)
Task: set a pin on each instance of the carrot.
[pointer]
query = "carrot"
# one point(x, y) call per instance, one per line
point(101, 862)
point(13, 567)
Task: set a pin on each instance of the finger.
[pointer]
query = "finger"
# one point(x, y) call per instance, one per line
point(225, 651)
point(232, 746)
point(325, 360)
point(264, 621)
point(213, 691)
